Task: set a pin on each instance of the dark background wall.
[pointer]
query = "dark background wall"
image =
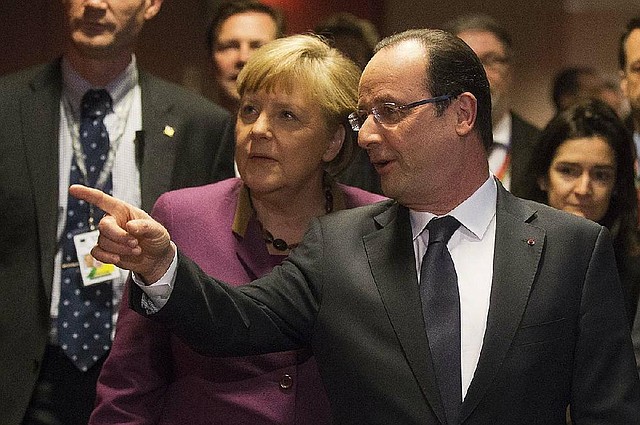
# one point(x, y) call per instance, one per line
point(548, 34)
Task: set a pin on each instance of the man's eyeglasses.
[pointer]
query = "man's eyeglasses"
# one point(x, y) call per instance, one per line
point(388, 112)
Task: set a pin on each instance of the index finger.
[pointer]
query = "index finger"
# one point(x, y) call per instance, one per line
point(120, 210)
point(96, 197)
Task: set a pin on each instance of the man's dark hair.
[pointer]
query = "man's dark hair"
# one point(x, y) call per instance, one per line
point(230, 8)
point(346, 24)
point(567, 83)
point(452, 68)
point(633, 24)
point(480, 22)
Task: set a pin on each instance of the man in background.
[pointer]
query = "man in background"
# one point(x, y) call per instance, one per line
point(356, 38)
point(91, 116)
point(574, 84)
point(236, 30)
point(513, 137)
point(629, 61)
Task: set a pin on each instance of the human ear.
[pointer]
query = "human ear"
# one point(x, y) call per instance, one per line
point(466, 106)
point(335, 144)
point(152, 9)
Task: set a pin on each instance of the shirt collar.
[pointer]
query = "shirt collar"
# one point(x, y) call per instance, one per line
point(475, 213)
point(243, 214)
point(502, 131)
point(74, 86)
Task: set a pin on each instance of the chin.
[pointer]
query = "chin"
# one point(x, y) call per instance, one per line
point(581, 213)
point(259, 182)
point(390, 190)
point(94, 46)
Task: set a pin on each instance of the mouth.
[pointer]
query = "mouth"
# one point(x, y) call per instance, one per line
point(260, 157)
point(93, 28)
point(581, 210)
point(381, 165)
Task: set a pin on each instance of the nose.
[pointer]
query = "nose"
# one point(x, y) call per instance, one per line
point(244, 54)
point(583, 184)
point(368, 133)
point(261, 127)
point(96, 4)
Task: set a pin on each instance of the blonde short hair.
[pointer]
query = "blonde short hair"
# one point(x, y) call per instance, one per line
point(307, 61)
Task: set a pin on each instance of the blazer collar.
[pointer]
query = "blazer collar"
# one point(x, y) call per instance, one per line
point(40, 121)
point(250, 250)
point(398, 287)
point(157, 145)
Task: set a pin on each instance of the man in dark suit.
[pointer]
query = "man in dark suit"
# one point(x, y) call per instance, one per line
point(513, 137)
point(629, 61)
point(166, 138)
point(534, 317)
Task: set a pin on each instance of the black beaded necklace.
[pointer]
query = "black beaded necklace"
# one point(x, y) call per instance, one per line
point(281, 244)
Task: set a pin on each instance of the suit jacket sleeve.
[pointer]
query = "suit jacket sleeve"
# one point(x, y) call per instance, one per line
point(274, 313)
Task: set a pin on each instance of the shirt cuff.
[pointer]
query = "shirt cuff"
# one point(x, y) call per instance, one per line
point(157, 294)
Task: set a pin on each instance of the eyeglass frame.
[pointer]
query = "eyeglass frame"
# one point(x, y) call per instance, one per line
point(354, 117)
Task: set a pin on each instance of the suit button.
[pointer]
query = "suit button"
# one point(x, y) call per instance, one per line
point(286, 381)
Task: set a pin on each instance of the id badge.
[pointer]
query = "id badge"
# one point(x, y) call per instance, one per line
point(92, 270)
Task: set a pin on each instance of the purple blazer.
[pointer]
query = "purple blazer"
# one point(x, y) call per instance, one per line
point(151, 377)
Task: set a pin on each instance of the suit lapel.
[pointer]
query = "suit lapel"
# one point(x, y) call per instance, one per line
point(391, 258)
point(161, 141)
point(518, 248)
point(40, 120)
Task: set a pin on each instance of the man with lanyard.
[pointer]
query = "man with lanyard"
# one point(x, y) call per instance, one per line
point(90, 117)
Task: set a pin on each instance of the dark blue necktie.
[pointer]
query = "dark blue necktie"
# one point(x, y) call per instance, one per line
point(441, 311)
point(84, 312)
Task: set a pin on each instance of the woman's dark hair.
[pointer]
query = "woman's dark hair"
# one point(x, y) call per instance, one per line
point(588, 119)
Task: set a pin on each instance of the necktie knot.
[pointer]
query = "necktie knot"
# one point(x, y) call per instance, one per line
point(96, 103)
point(441, 229)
